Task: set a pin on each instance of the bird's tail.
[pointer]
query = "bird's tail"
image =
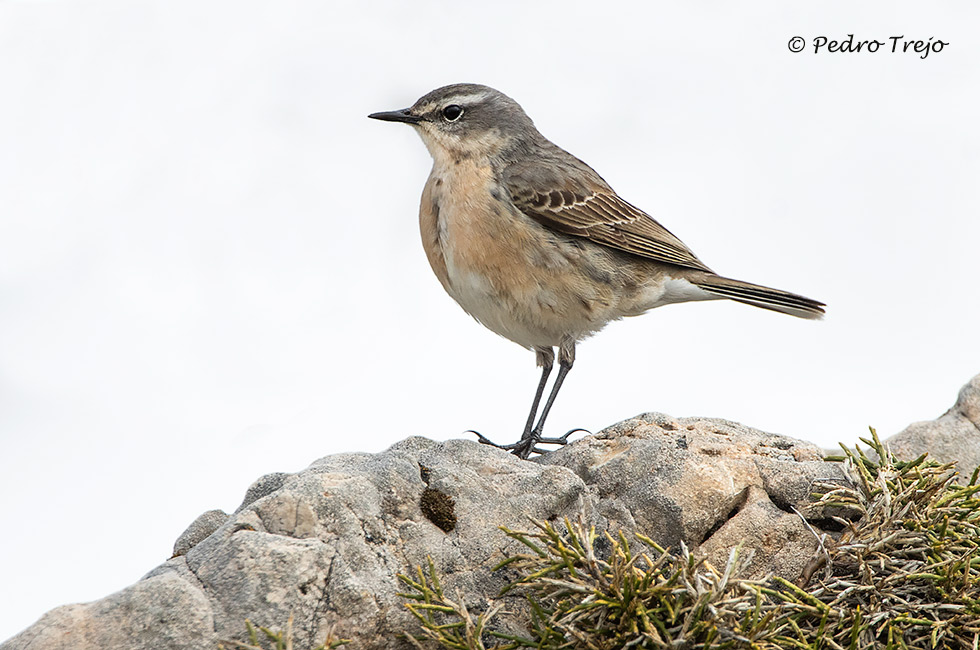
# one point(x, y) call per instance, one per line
point(764, 297)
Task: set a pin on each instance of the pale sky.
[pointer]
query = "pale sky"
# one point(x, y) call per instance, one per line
point(210, 266)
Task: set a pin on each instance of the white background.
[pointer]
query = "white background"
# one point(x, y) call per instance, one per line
point(210, 267)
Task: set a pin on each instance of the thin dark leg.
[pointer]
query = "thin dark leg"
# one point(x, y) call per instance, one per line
point(545, 359)
point(563, 368)
point(545, 373)
point(529, 440)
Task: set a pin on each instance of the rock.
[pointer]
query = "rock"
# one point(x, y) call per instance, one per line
point(708, 483)
point(263, 487)
point(163, 611)
point(199, 530)
point(325, 544)
point(952, 437)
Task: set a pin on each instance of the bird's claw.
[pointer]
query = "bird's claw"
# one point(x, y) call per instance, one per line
point(528, 445)
point(562, 439)
point(483, 440)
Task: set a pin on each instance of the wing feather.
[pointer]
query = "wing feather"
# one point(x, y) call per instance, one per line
point(599, 214)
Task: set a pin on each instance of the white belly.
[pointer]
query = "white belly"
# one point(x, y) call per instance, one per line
point(522, 319)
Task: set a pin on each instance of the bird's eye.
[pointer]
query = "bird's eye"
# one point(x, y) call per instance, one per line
point(452, 112)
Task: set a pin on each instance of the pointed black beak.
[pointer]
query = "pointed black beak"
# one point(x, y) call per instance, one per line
point(396, 116)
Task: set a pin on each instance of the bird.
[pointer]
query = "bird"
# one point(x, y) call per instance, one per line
point(536, 246)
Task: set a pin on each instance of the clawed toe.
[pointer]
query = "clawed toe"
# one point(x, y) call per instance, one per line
point(526, 446)
point(562, 439)
point(483, 440)
point(535, 440)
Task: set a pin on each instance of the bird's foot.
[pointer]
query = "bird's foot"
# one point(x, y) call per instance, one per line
point(528, 444)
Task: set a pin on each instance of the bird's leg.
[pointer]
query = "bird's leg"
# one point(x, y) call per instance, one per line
point(531, 437)
point(566, 357)
point(546, 360)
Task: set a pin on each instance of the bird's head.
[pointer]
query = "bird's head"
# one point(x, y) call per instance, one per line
point(466, 121)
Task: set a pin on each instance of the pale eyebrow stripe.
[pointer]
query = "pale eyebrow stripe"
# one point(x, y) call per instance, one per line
point(472, 98)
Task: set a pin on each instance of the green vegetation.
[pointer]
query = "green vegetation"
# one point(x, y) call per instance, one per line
point(903, 573)
point(276, 639)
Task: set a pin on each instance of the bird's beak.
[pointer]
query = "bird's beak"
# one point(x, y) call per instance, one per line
point(396, 116)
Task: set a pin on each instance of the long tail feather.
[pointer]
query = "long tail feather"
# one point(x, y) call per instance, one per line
point(764, 297)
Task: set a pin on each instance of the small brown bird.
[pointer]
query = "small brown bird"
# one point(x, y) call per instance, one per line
point(532, 243)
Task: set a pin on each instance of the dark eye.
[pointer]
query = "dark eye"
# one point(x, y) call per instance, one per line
point(452, 112)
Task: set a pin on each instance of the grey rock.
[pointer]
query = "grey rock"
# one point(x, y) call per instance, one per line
point(710, 484)
point(199, 530)
point(325, 544)
point(952, 437)
point(163, 611)
point(264, 486)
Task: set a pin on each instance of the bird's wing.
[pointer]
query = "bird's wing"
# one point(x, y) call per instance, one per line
point(577, 201)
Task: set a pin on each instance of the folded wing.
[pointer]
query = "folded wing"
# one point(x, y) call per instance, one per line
point(587, 207)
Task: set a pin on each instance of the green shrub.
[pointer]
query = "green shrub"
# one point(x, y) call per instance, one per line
point(281, 639)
